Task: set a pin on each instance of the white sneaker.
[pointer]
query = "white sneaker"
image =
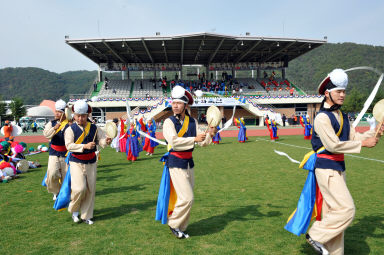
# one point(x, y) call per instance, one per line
point(316, 245)
point(54, 197)
point(89, 222)
point(147, 153)
point(75, 217)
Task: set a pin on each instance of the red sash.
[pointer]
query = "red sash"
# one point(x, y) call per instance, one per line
point(87, 156)
point(59, 147)
point(334, 157)
point(182, 154)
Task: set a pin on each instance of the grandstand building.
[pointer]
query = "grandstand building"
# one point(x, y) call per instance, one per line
point(246, 71)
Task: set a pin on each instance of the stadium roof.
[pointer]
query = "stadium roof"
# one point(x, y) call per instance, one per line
point(197, 48)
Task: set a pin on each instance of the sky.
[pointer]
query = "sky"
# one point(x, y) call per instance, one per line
point(32, 32)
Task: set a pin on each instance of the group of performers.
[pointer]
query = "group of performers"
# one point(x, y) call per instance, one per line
point(333, 138)
point(131, 142)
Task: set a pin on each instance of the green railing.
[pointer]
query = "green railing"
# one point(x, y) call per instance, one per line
point(99, 86)
point(132, 88)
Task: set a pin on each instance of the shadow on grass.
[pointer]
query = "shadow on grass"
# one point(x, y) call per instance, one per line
point(217, 223)
point(119, 190)
point(109, 165)
point(109, 177)
point(118, 211)
point(355, 241)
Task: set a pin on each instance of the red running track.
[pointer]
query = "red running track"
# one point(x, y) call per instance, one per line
point(227, 133)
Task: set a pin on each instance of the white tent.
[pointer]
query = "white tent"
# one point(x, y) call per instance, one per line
point(40, 111)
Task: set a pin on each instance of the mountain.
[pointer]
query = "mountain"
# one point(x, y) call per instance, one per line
point(307, 71)
point(33, 85)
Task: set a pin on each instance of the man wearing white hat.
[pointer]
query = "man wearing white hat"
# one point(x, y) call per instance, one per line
point(333, 136)
point(181, 133)
point(54, 131)
point(81, 140)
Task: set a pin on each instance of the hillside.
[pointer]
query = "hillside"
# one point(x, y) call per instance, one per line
point(308, 70)
point(35, 84)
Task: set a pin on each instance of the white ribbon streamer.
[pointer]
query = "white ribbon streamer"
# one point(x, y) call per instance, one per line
point(371, 97)
point(229, 122)
point(286, 155)
point(152, 138)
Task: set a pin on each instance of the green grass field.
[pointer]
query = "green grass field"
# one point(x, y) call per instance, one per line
point(243, 195)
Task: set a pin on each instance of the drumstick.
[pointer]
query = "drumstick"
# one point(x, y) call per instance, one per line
point(378, 133)
point(209, 124)
point(94, 137)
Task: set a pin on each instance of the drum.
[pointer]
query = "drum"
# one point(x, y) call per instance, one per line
point(23, 165)
point(214, 116)
point(111, 129)
point(378, 110)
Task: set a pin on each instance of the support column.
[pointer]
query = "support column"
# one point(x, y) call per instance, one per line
point(258, 73)
point(252, 74)
point(99, 75)
point(283, 73)
point(261, 121)
point(216, 75)
point(142, 75)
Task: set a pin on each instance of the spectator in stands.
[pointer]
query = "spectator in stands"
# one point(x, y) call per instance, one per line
point(176, 76)
point(94, 86)
point(291, 91)
point(211, 75)
point(265, 75)
point(106, 85)
point(284, 118)
point(141, 84)
point(272, 77)
point(114, 91)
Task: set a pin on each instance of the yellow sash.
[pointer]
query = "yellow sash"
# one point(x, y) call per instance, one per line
point(83, 135)
point(182, 131)
point(306, 157)
point(172, 193)
point(62, 125)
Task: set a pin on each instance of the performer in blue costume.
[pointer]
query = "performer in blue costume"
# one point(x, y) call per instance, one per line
point(176, 188)
point(272, 128)
point(150, 145)
point(242, 135)
point(306, 124)
point(217, 138)
point(333, 136)
point(133, 145)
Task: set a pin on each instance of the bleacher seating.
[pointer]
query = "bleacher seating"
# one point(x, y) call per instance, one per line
point(120, 88)
point(147, 90)
point(242, 86)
